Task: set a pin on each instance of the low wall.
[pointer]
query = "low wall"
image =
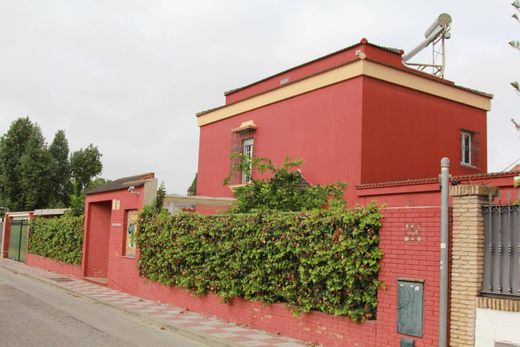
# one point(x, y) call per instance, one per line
point(53, 265)
point(318, 327)
point(410, 239)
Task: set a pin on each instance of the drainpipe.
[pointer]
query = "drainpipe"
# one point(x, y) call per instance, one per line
point(443, 319)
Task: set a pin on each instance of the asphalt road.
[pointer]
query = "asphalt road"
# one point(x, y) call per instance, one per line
point(33, 313)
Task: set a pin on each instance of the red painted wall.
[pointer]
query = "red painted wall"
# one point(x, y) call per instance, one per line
point(53, 265)
point(402, 260)
point(122, 272)
point(406, 133)
point(312, 327)
point(98, 233)
point(358, 131)
point(410, 259)
point(322, 127)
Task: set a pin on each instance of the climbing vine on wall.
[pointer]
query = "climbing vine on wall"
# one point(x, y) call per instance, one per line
point(57, 238)
point(323, 260)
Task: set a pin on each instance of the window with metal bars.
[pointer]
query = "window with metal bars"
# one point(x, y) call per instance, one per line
point(247, 151)
point(242, 142)
point(469, 148)
point(501, 275)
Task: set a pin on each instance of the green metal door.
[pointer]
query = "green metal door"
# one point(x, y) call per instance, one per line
point(18, 240)
point(23, 240)
point(15, 236)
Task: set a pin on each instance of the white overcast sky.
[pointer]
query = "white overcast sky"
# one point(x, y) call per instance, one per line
point(129, 76)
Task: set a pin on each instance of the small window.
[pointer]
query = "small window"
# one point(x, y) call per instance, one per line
point(466, 149)
point(130, 233)
point(247, 151)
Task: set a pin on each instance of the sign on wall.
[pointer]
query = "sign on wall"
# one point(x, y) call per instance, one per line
point(131, 230)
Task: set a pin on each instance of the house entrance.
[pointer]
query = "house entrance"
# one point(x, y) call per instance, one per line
point(98, 238)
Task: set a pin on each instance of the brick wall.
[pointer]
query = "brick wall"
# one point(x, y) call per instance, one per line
point(53, 265)
point(406, 256)
point(121, 271)
point(312, 327)
point(410, 240)
point(467, 259)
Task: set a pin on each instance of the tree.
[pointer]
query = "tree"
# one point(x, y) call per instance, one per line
point(61, 180)
point(192, 189)
point(85, 165)
point(12, 147)
point(36, 167)
point(161, 196)
point(33, 175)
point(280, 188)
point(77, 198)
point(23, 157)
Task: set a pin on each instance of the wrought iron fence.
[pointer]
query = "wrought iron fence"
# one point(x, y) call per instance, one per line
point(502, 246)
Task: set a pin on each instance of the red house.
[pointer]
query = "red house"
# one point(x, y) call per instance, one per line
point(357, 115)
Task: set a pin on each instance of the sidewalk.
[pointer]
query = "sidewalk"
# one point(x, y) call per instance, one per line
point(199, 327)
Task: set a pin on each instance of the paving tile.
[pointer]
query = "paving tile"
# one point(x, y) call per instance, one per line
point(269, 340)
point(256, 336)
point(239, 338)
point(225, 335)
point(289, 344)
point(207, 326)
point(252, 343)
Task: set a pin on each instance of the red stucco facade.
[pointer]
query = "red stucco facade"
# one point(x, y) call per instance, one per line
point(360, 130)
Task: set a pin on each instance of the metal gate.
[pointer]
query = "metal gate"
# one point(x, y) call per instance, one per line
point(501, 250)
point(18, 240)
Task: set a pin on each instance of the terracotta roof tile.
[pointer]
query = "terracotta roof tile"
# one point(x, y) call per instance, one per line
point(463, 178)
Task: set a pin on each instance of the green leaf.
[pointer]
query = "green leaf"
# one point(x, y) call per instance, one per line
point(323, 260)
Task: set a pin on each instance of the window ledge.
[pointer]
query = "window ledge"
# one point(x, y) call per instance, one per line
point(236, 186)
point(468, 166)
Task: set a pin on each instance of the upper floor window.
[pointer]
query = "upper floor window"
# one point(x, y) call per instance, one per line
point(247, 151)
point(241, 143)
point(466, 148)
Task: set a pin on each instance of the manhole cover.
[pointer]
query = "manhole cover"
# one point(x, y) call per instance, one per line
point(61, 279)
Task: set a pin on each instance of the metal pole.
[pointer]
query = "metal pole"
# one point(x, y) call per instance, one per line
point(443, 319)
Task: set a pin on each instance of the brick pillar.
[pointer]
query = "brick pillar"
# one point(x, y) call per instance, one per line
point(467, 259)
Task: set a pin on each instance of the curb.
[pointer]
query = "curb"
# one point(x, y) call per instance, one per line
point(190, 333)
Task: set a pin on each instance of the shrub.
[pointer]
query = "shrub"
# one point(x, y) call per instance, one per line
point(57, 238)
point(324, 260)
point(279, 188)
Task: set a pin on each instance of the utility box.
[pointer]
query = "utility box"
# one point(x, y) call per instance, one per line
point(410, 307)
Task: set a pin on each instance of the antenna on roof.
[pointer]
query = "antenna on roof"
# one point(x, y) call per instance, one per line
point(436, 34)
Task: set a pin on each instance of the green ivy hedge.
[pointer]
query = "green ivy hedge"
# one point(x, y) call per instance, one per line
point(57, 238)
point(320, 260)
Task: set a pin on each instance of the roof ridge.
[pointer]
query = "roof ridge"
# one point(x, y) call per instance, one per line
point(363, 41)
